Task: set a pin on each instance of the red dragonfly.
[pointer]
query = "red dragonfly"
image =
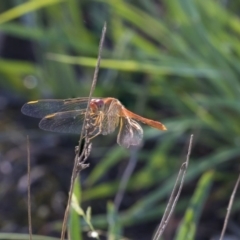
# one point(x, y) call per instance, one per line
point(105, 115)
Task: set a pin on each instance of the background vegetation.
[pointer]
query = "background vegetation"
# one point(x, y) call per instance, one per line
point(173, 61)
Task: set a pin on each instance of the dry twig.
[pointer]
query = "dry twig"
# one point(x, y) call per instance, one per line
point(125, 178)
point(229, 208)
point(79, 161)
point(174, 195)
point(29, 190)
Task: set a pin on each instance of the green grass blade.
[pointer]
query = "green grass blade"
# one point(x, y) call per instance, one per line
point(25, 8)
point(74, 226)
point(114, 228)
point(19, 236)
point(188, 227)
point(136, 66)
point(113, 156)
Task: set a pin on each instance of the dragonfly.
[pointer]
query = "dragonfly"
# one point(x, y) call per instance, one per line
point(104, 116)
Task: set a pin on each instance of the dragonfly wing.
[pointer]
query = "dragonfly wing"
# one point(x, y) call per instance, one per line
point(111, 115)
point(130, 133)
point(64, 122)
point(42, 108)
point(109, 124)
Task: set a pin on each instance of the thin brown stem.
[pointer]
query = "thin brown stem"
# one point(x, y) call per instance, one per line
point(77, 161)
point(125, 178)
point(94, 81)
point(229, 208)
point(174, 195)
point(29, 189)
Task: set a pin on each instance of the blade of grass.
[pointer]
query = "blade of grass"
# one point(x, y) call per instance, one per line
point(19, 236)
point(188, 227)
point(135, 66)
point(113, 156)
point(25, 8)
point(29, 190)
point(74, 227)
point(114, 227)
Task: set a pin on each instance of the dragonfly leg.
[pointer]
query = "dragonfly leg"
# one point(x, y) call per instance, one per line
point(98, 121)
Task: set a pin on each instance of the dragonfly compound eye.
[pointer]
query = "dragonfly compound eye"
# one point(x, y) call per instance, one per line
point(99, 103)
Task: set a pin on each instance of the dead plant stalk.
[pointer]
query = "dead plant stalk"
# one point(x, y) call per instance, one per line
point(79, 161)
point(174, 195)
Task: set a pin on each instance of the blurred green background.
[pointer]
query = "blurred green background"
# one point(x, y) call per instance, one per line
point(172, 61)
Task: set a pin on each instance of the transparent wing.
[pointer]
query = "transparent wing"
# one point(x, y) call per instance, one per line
point(42, 108)
point(111, 115)
point(109, 124)
point(67, 122)
point(130, 133)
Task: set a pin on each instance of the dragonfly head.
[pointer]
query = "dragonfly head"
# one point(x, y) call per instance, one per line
point(97, 104)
